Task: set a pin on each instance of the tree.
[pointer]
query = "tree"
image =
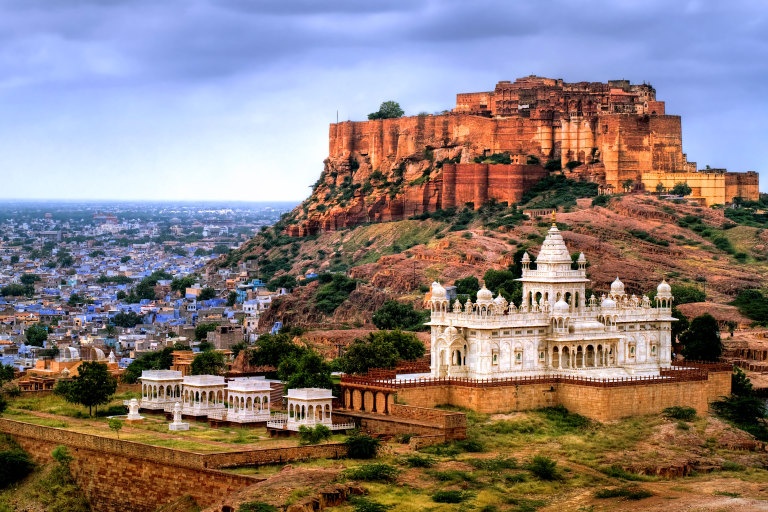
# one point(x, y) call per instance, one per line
point(309, 370)
point(272, 349)
point(202, 330)
point(17, 290)
point(553, 165)
point(92, 386)
point(180, 285)
point(207, 293)
point(702, 339)
point(29, 279)
point(395, 315)
point(681, 325)
point(681, 188)
point(15, 464)
point(627, 184)
point(208, 363)
point(127, 320)
point(125, 259)
point(115, 425)
point(660, 187)
point(159, 360)
point(362, 446)
point(309, 435)
point(14, 259)
point(330, 295)
point(110, 331)
point(121, 295)
point(381, 349)
point(387, 110)
point(237, 348)
point(231, 299)
point(205, 346)
point(74, 300)
point(36, 335)
point(467, 286)
point(285, 281)
point(685, 294)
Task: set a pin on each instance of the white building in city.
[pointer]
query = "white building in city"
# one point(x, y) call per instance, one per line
point(556, 329)
point(203, 395)
point(247, 401)
point(308, 407)
point(160, 389)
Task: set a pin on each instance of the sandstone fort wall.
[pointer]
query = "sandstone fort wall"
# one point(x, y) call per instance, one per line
point(118, 475)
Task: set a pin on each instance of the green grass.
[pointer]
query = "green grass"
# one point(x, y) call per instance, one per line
point(628, 493)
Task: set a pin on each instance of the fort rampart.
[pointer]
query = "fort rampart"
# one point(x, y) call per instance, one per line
point(119, 475)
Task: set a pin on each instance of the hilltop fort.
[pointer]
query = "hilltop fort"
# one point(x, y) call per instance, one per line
point(495, 145)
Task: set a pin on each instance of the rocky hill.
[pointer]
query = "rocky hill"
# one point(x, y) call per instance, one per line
point(638, 237)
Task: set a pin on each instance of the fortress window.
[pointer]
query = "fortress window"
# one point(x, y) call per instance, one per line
point(541, 356)
point(495, 358)
point(506, 333)
point(473, 333)
point(529, 331)
point(518, 332)
point(495, 334)
point(541, 331)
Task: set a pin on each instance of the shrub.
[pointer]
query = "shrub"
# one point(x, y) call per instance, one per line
point(619, 472)
point(601, 200)
point(449, 496)
point(543, 468)
point(362, 446)
point(419, 461)
point(373, 473)
point(256, 506)
point(395, 315)
point(309, 435)
point(366, 505)
point(680, 413)
point(497, 463)
point(15, 464)
point(732, 466)
point(629, 493)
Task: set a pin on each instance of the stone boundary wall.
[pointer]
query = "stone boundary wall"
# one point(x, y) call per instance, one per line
point(118, 475)
point(114, 480)
point(599, 403)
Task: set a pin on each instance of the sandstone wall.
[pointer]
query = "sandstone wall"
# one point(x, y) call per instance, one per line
point(596, 402)
point(118, 475)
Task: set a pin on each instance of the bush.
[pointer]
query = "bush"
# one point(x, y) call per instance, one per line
point(366, 505)
point(329, 296)
point(601, 200)
point(629, 493)
point(256, 506)
point(497, 463)
point(419, 461)
point(15, 464)
point(449, 496)
point(309, 435)
point(373, 473)
point(619, 472)
point(395, 315)
point(362, 446)
point(543, 468)
point(680, 413)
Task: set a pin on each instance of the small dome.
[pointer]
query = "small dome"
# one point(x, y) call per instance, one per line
point(617, 287)
point(582, 258)
point(608, 303)
point(561, 307)
point(438, 292)
point(65, 372)
point(499, 299)
point(663, 288)
point(484, 295)
point(526, 258)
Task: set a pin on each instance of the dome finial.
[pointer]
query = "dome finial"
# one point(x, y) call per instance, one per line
point(554, 217)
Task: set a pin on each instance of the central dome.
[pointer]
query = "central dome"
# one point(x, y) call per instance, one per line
point(553, 250)
point(484, 296)
point(617, 287)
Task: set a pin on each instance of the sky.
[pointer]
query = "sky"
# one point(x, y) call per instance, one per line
point(231, 99)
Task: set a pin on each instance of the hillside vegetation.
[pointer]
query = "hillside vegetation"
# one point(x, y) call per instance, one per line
point(640, 238)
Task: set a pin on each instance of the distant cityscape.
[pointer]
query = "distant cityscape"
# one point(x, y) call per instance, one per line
point(109, 281)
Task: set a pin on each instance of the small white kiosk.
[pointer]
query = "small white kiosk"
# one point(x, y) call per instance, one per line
point(203, 395)
point(308, 407)
point(247, 402)
point(160, 389)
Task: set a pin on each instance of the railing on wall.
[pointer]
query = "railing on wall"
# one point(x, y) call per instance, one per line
point(713, 366)
point(666, 376)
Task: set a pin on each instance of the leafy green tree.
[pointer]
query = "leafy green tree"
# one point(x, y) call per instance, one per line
point(115, 425)
point(180, 284)
point(627, 184)
point(681, 188)
point(231, 299)
point(744, 408)
point(202, 330)
point(17, 290)
point(121, 295)
point(146, 288)
point(92, 386)
point(15, 464)
point(387, 110)
point(681, 325)
point(74, 300)
point(573, 164)
point(205, 346)
point(208, 363)
point(395, 315)
point(702, 339)
point(36, 335)
point(127, 319)
point(308, 370)
point(125, 259)
point(285, 281)
point(207, 293)
point(238, 347)
point(660, 187)
point(685, 294)
point(110, 331)
point(468, 286)
point(29, 279)
point(381, 349)
point(158, 360)
point(272, 349)
point(14, 259)
point(553, 165)
point(362, 446)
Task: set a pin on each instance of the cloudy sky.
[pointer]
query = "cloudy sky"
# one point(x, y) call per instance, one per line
point(231, 99)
